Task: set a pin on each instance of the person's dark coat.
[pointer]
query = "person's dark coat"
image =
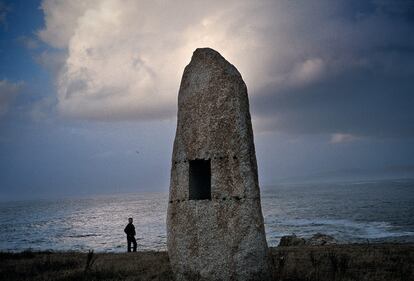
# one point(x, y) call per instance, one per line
point(130, 230)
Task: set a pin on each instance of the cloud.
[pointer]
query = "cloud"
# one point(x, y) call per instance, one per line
point(8, 92)
point(52, 60)
point(307, 71)
point(311, 67)
point(341, 138)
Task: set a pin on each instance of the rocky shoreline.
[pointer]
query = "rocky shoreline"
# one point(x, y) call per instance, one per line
point(376, 262)
point(317, 239)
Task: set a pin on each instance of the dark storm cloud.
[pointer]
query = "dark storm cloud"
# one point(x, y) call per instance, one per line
point(360, 102)
point(335, 67)
point(366, 86)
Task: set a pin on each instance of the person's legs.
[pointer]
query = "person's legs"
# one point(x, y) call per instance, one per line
point(129, 244)
point(135, 243)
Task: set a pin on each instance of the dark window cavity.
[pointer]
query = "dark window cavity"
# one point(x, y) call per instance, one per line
point(200, 179)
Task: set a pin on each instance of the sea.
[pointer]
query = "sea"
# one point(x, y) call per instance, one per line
point(352, 212)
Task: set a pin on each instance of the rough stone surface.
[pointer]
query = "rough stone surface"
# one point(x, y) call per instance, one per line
point(222, 238)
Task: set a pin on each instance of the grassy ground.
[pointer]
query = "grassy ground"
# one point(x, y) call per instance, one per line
point(377, 262)
point(82, 266)
point(360, 262)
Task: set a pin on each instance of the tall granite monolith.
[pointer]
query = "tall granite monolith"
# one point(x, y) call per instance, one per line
point(215, 223)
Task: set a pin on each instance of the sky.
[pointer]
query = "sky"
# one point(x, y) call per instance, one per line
point(88, 89)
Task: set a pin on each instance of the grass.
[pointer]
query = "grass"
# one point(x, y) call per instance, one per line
point(379, 262)
point(68, 266)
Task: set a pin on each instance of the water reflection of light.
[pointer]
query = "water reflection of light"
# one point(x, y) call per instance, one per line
point(98, 223)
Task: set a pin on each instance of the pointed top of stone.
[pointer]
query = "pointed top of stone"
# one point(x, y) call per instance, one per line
point(207, 59)
point(208, 70)
point(206, 52)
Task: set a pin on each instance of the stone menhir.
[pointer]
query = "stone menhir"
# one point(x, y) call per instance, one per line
point(215, 222)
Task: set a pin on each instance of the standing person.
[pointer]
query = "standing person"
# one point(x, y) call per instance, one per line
point(130, 232)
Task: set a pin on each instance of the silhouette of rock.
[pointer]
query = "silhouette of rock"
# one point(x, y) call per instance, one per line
point(215, 223)
point(319, 239)
point(291, 240)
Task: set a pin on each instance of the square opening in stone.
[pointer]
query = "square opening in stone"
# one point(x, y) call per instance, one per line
point(200, 179)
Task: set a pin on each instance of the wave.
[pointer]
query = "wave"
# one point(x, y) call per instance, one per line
point(83, 235)
point(342, 227)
